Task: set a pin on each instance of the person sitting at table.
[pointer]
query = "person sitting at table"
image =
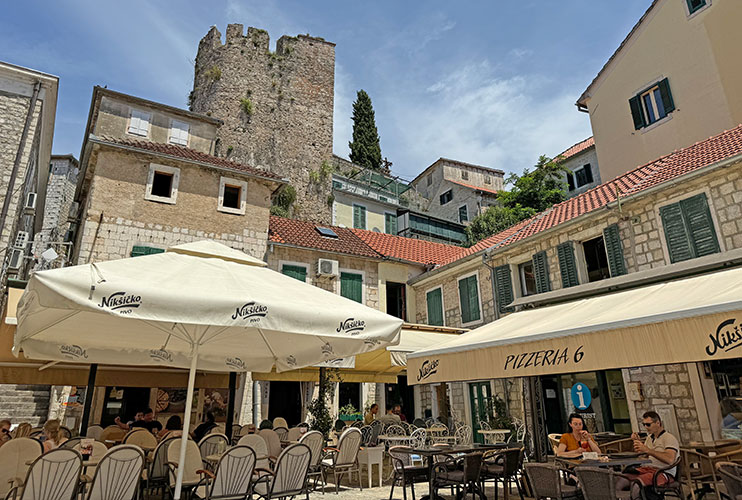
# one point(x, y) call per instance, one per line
point(4, 431)
point(23, 430)
point(148, 422)
point(127, 425)
point(397, 410)
point(53, 435)
point(574, 443)
point(173, 428)
point(204, 427)
point(660, 447)
point(370, 415)
point(390, 418)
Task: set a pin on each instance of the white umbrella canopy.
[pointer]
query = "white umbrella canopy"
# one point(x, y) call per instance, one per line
point(199, 305)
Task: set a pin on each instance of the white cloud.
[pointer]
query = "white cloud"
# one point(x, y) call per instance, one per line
point(520, 53)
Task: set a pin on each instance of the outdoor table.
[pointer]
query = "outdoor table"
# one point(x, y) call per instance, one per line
point(428, 452)
point(622, 462)
point(444, 439)
point(394, 440)
point(494, 435)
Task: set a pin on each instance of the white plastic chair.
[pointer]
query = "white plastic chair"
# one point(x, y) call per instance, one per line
point(294, 434)
point(94, 431)
point(118, 473)
point(260, 448)
point(395, 430)
point(315, 441)
point(344, 458)
point(64, 465)
point(280, 422)
point(192, 479)
point(463, 435)
point(14, 457)
point(289, 478)
point(141, 437)
point(232, 475)
point(272, 441)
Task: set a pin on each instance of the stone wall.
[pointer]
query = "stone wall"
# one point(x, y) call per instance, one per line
point(60, 192)
point(277, 107)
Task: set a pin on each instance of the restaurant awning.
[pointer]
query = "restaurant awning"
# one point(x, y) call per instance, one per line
point(688, 320)
point(380, 366)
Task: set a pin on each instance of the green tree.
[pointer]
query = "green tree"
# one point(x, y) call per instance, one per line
point(532, 192)
point(364, 148)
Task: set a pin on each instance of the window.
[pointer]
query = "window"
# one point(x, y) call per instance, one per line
point(464, 175)
point(694, 5)
point(162, 183)
point(463, 214)
point(295, 271)
point(139, 122)
point(469, 299)
point(689, 229)
point(138, 250)
point(232, 194)
point(359, 217)
point(179, 132)
point(446, 197)
point(337, 185)
point(596, 259)
point(390, 223)
point(430, 180)
point(652, 104)
point(487, 179)
point(583, 176)
point(527, 279)
point(351, 286)
point(434, 299)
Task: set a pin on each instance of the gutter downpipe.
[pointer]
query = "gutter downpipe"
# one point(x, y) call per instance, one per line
point(19, 158)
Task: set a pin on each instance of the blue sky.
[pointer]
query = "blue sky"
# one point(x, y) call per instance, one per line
point(492, 83)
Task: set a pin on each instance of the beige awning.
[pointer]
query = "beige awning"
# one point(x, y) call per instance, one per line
point(689, 320)
point(380, 366)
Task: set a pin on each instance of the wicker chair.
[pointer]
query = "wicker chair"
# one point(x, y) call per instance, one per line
point(554, 441)
point(405, 472)
point(503, 466)
point(672, 487)
point(731, 475)
point(461, 473)
point(546, 482)
point(618, 446)
point(600, 484)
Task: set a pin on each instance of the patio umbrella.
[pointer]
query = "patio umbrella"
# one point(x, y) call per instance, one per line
point(199, 305)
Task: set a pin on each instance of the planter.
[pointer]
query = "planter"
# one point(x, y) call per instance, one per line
point(350, 417)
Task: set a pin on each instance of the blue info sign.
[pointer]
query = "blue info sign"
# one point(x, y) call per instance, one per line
point(581, 397)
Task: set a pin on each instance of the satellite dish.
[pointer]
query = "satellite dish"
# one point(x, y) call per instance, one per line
point(49, 255)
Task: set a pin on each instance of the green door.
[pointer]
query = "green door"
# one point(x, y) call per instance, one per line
point(479, 397)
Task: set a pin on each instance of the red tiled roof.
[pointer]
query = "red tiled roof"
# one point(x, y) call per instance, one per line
point(188, 154)
point(578, 148)
point(409, 249)
point(665, 168)
point(476, 188)
point(303, 234)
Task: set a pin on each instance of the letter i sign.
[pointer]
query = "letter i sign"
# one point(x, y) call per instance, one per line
point(581, 396)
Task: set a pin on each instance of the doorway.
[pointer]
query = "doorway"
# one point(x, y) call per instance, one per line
point(284, 400)
point(349, 393)
point(401, 394)
point(480, 394)
point(123, 402)
point(396, 304)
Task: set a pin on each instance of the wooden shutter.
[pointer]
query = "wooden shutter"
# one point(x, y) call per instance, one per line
point(699, 225)
point(612, 240)
point(567, 264)
point(297, 272)
point(637, 113)
point(570, 181)
point(588, 173)
point(390, 224)
point(137, 250)
point(676, 234)
point(666, 95)
point(351, 286)
point(469, 299)
point(541, 272)
point(435, 307)
point(359, 217)
point(503, 288)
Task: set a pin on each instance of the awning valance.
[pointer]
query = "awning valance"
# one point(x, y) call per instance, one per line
point(694, 319)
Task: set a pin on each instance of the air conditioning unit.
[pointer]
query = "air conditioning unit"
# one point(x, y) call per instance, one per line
point(16, 259)
point(30, 207)
point(21, 240)
point(327, 267)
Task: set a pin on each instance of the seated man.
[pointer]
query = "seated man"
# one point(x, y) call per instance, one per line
point(127, 425)
point(148, 422)
point(661, 447)
point(390, 418)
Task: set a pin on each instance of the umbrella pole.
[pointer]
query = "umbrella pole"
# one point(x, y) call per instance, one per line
point(186, 423)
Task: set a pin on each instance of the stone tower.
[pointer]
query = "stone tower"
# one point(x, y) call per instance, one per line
point(277, 107)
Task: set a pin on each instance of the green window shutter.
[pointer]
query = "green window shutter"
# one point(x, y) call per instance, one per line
point(359, 217)
point(667, 101)
point(298, 272)
point(699, 225)
point(137, 250)
point(567, 264)
point(637, 113)
point(463, 214)
point(541, 272)
point(504, 288)
point(676, 234)
point(469, 299)
point(351, 286)
point(390, 224)
point(435, 307)
point(612, 240)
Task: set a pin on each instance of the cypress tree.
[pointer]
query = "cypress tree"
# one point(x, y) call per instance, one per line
point(364, 148)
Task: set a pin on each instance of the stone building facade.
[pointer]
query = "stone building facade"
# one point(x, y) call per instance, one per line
point(277, 107)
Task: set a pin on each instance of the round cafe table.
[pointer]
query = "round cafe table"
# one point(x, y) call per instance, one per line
point(493, 436)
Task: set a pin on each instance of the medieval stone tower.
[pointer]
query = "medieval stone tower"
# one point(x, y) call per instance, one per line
point(277, 107)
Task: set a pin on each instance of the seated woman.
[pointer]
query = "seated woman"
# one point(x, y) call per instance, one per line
point(573, 443)
point(173, 428)
point(53, 435)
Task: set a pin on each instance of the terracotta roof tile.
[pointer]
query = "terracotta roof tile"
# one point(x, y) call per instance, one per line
point(303, 234)
point(188, 154)
point(409, 249)
point(476, 188)
point(578, 148)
